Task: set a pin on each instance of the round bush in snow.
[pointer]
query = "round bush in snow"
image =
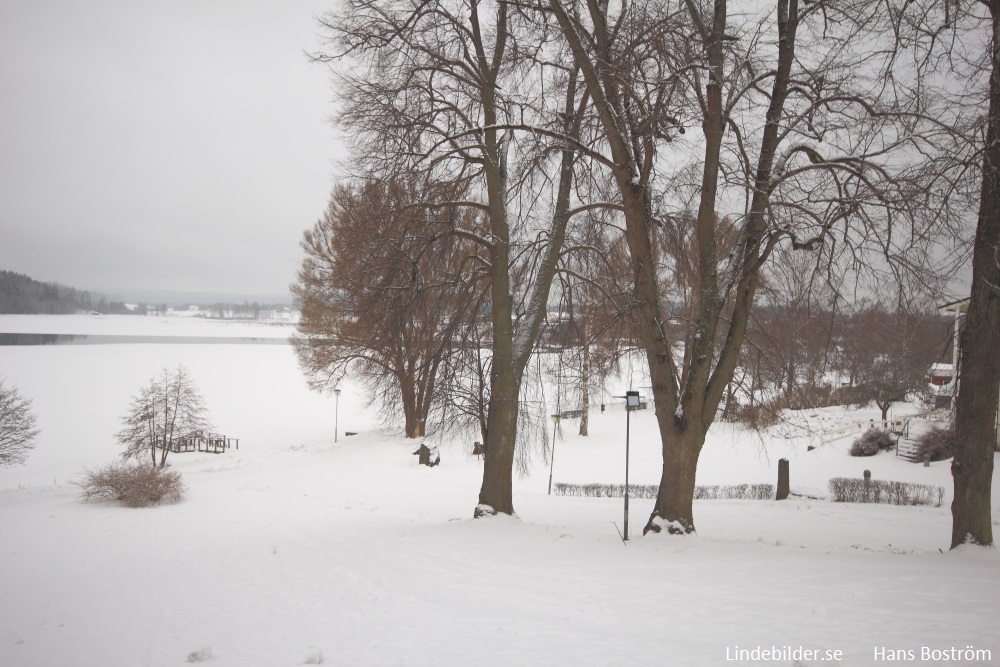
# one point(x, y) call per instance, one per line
point(937, 443)
point(872, 442)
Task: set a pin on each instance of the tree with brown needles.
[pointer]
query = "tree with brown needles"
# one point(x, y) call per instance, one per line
point(384, 291)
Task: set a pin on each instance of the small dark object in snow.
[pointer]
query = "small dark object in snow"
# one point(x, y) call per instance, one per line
point(782, 492)
point(429, 456)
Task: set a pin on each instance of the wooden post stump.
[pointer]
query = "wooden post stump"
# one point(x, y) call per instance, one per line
point(782, 492)
point(428, 456)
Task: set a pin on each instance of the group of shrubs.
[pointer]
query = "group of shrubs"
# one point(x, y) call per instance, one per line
point(714, 492)
point(856, 490)
point(135, 484)
point(936, 444)
point(764, 414)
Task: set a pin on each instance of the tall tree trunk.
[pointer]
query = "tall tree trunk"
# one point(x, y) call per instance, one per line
point(680, 430)
point(979, 391)
point(685, 402)
point(495, 495)
point(674, 509)
point(585, 381)
point(683, 430)
point(414, 426)
point(412, 413)
point(884, 407)
point(512, 349)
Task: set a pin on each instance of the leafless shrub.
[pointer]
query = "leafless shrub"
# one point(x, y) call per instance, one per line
point(202, 654)
point(855, 490)
point(313, 657)
point(735, 492)
point(132, 484)
point(648, 491)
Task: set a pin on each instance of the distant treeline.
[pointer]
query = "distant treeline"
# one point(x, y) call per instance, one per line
point(248, 310)
point(20, 294)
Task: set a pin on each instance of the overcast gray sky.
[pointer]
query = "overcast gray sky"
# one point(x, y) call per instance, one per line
point(178, 145)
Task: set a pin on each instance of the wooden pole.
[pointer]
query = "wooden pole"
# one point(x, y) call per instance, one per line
point(782, 492)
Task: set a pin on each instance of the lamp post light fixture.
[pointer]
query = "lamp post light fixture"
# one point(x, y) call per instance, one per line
point(631, 403)
point(552, 458)
point(336, 414)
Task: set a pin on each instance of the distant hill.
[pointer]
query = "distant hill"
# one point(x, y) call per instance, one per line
point(20, 294)
point(177, 298)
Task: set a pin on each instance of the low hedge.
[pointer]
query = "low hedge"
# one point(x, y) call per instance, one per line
point(855, 490)
point(716, 492)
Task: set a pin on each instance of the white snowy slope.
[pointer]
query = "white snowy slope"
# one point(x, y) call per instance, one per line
point(296, 550)
point(181, 324)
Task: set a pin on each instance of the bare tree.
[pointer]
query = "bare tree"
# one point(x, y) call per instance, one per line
point(808, 142)
point(796, 318)
point(463, 91)
point(979, 391)
point(465, 381)
point(592, 322)
point(890, 352)
point(17, 426)
point(384, 290)
point(169, 407)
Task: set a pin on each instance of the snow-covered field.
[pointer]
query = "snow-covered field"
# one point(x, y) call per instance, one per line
point(182, 324)
point(295, 550)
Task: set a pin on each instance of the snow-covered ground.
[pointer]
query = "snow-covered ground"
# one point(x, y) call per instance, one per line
point(295, 550)
point(180, 324)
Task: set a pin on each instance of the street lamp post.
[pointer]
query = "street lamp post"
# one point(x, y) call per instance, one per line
point(336, 415)
point(552, 458)
point(631, 403)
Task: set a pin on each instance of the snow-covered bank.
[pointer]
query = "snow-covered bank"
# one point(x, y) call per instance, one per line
point(140, 325)
point(354, 553)
point(79, 393)
point(294, 549)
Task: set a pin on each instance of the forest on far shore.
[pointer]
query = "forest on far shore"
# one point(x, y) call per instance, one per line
point(22, 295)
